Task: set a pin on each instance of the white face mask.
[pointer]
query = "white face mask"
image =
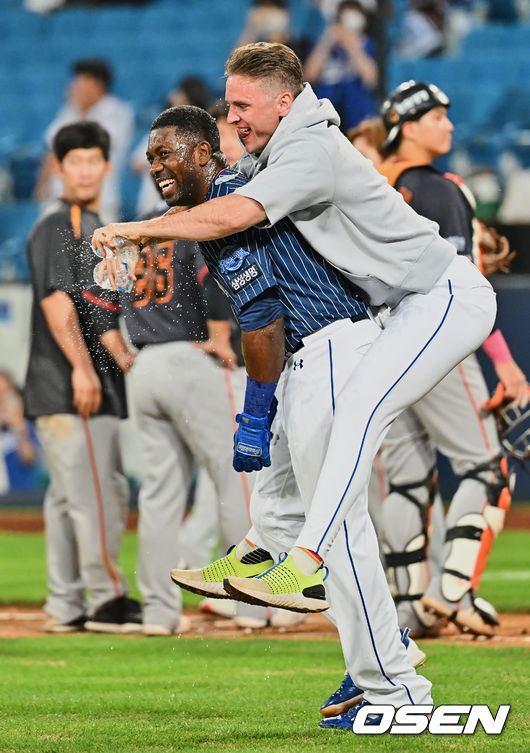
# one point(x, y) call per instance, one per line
point(275, 21)
point(353, 20)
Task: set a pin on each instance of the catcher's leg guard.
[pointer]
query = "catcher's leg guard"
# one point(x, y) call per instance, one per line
point(406, 558)
point(469, 543)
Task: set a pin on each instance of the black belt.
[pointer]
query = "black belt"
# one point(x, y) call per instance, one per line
point(354, 318)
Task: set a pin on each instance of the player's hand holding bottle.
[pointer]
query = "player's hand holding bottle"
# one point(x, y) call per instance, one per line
point(116, 271)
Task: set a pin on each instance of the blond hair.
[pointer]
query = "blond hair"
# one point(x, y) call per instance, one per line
point(269, 61)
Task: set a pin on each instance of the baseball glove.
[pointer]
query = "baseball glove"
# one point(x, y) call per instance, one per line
point(494, 251)
point(513, 424)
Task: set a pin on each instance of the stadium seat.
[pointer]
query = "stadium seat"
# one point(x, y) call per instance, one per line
point(16, 221)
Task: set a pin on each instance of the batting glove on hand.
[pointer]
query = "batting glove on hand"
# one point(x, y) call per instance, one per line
point(251, 443)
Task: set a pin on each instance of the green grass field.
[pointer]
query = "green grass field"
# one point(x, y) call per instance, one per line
point(23, 574)
point(129, 694)
point(88, 694)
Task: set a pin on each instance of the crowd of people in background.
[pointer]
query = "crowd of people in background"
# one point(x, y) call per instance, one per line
point(342, 65)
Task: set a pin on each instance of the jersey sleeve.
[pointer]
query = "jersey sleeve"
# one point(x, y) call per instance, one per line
point(244, 267)
point(298, 177)
point(240, 263)
point(435, 197)
point(52, 254)
point(261, 312)
point(102, 307)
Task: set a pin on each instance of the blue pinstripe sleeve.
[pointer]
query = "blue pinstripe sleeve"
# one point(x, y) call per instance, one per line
point(242, 262)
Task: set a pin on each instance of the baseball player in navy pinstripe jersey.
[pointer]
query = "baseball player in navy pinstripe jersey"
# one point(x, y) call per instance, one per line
point(442, 308)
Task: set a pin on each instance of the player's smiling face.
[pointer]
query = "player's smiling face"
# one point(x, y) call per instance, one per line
point(256, 108)
point(176, 166)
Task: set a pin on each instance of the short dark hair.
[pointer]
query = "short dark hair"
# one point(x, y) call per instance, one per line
point(96, 68)
point(196, 91)
point(346, 4)
point(83, 135)
point(277, 3)
point(191, 120)
point(271, 61)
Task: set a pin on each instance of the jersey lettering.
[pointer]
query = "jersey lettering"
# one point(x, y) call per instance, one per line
point(247, 276)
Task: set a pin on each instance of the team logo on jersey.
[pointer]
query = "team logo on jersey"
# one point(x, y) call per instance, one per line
point(245, 277)
point(223, 178)
point(232, 259)
point(298, 364)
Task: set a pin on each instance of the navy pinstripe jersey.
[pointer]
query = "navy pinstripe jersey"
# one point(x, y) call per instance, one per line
point(312, 292)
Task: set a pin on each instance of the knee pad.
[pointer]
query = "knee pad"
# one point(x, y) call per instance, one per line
point(419, 493)
point(413, 558)
point(495, 478)
point(473, 535)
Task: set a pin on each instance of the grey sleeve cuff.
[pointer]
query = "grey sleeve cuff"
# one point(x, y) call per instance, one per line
point(251, 191)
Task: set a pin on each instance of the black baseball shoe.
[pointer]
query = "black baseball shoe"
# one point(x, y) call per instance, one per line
point(121, 615)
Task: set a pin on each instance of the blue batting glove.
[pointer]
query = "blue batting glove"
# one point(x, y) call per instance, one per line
point(251, 443)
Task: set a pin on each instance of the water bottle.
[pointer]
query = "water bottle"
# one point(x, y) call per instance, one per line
point(126, 251)
point(122, 278)
point(126, 254)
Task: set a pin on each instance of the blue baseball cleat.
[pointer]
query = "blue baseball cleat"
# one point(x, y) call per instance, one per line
point(345, 721)
point(349, 694)
point(343, 699)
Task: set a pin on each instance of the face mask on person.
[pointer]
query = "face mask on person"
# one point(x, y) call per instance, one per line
point(274, 21)
point(353, 20)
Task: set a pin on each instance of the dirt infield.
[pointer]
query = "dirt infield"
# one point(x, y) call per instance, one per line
point(517, 518)
point(28, 622)
point(20, 621)
point(32, 521)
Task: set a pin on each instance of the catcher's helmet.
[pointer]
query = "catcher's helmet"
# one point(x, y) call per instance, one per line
point(514, 426)
point(409, 101)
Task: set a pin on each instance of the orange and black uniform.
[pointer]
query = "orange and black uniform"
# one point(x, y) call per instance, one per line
point(437, 196)
point(85, 506)
point(60, 258)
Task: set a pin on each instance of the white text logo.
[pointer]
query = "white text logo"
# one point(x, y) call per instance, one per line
point(443, 720)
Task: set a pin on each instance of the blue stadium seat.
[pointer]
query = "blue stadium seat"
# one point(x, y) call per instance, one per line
point(496, 38)
point(16, 221)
